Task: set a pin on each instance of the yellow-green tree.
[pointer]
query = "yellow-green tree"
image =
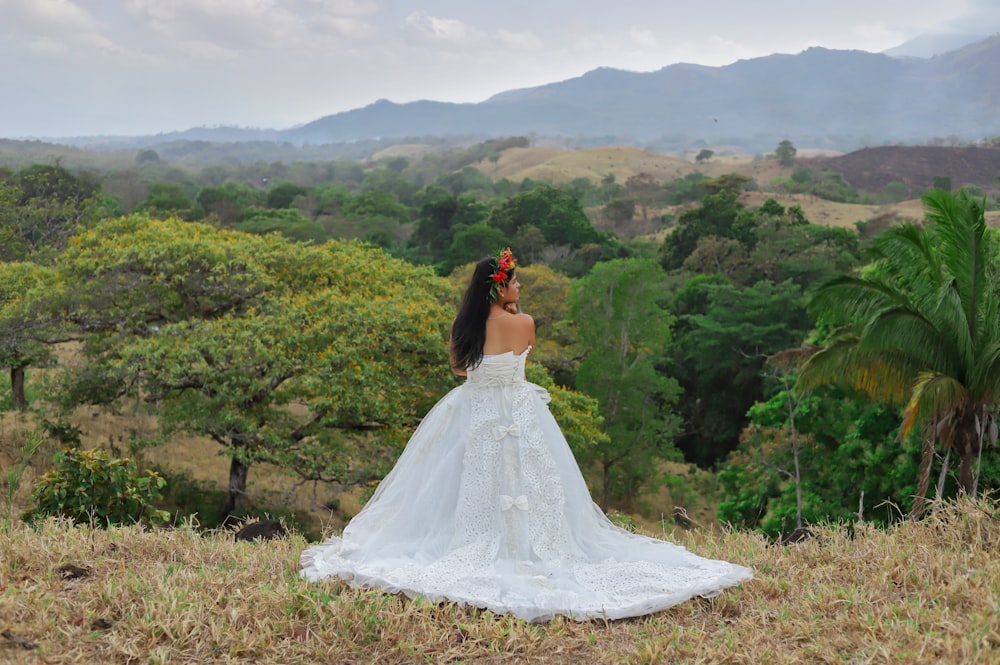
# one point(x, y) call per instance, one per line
point(312, 358)
point(26, 331)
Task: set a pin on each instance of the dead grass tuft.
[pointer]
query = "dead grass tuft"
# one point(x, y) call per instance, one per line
point(921, 592)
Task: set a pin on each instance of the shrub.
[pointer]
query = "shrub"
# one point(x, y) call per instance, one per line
point(90, 486)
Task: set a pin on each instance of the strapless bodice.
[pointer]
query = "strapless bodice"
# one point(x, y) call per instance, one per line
point(500, 369)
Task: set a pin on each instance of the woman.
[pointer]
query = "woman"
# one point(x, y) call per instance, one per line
point(487, 506)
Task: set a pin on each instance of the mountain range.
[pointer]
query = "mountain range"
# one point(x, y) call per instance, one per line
point(819, 98)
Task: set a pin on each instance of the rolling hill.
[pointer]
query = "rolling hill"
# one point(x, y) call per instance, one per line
point(820, 98)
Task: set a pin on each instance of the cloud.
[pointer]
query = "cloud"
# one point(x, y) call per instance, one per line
point(53, 27)
point(231, 28)
point(981, 17)
point(643, 39)
point(236, 25)
point(446, 31)
point(519, 41)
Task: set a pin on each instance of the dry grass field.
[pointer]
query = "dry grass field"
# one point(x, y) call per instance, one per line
point(923, 592)
point(561, 166)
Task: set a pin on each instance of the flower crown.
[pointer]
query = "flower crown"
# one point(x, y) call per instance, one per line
point(505, 265)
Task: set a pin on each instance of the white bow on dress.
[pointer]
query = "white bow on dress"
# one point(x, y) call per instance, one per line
point(506, 502)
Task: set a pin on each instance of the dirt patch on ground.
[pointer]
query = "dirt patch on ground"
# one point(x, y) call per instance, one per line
point(871, 169)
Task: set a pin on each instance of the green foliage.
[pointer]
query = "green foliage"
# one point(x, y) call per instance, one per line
point(785, 152)
point(728, 182)
point(894, 192)
point(229, 201)
point(472, 243)
point(467, 180)
point(851, 460)
point(288, 222)
point(27, 325)
point(921, 329)
point(559, 216)
point(147, 155)
point(91, 487)
point(684, 190)
point(312, 358)
point(824, 183)
point(167, 199)
point(942, 182)
point(619, 321)
point(717, 216)
point(282, 194)
point(578, 414)
point(723, 335)
point(41, 207)
point(32, 442)
point(441, 214)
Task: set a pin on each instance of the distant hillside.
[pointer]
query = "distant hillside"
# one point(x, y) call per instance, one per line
point(927, 46)
point(871, 169)
point(562, 166)
point(817, 98)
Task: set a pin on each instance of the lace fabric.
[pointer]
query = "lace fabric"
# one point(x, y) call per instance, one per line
point(486, 506)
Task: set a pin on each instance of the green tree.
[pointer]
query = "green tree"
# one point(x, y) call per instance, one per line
point(619, 321)
point(727, 182)
point(619, 212)
point(559, 216)
point(942, 182)
point(717, 216)
point(167, 198)
point(851, 462)
point(785, 152)
point(921, 329)
point(440, 215)
point(230, 201)
point(145, 156)
point(472, 243)
point(723, 335)
point(642, 188)
point(283, 194)
point(41, 207)
point(286, 221)
point(27, 330)
point(704, 155)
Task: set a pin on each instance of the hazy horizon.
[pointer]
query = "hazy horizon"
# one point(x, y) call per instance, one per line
point(140, 67)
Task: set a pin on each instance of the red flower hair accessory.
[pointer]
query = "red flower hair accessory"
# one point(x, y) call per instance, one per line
point(505, 265)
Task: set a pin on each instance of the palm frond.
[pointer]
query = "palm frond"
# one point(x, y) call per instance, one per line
point(906, 246)
point(933, 396)
point(843, 362)
point(849, 299)
point(905, 332)
point(959, 226)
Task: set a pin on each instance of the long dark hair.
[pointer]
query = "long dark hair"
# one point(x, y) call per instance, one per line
point(468, 332)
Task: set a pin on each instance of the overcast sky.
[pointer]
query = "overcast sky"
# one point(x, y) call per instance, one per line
point(87, 67)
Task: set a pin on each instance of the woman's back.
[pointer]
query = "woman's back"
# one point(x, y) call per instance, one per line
point(508, 332)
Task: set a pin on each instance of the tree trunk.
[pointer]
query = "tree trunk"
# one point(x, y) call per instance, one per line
point(236, 496)
point(606, 491)
point(923, 474)
point(966, 455)
point(939, 494)
point(17, 388)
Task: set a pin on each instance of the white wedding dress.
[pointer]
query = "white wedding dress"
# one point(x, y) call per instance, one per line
point(487, 507)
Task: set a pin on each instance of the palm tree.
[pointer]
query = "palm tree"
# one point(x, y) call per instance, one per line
point(920, 328)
